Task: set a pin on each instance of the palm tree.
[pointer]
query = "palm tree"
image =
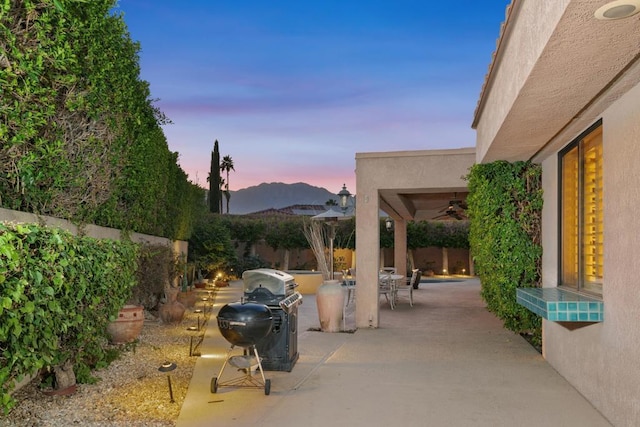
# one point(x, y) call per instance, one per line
point(224, 190)
point(227, 165)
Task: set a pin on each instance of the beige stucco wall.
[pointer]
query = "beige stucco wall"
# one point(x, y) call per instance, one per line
point(601, 360)
point(90, 230)
point(528, 36)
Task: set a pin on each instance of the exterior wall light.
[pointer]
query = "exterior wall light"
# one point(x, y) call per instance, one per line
point(618, 9)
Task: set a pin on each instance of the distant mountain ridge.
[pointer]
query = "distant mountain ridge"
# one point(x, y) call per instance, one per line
point(276, 195)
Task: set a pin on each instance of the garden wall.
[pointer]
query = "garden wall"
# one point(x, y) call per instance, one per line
point(6, 215)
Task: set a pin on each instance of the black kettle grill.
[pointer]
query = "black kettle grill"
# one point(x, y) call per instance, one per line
point(244, 325)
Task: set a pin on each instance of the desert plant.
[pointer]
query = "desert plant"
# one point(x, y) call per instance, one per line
point(318, 239)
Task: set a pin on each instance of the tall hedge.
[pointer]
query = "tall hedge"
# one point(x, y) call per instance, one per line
point(80, 137)
point(442, 234)
point(210, 246)
point(504, 207)
point(285, 232)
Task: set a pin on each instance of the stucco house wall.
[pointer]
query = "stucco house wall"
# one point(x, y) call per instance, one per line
point(517, 62)
point(601, 360)
point(556, 72)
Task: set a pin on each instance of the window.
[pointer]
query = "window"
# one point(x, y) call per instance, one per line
point(581, 214)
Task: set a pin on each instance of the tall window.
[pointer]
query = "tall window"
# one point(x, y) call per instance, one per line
point(581, 214)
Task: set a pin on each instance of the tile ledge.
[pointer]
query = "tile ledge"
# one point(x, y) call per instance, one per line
point(561, 305)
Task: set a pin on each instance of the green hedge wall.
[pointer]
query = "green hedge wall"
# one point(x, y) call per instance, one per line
point(504, 207)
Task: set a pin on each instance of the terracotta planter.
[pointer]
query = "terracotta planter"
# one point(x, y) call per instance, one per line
point(171, 312)
point(127, 327)
point(62, 391)
point(188, 299)
point(221, 284)
point(200, 285)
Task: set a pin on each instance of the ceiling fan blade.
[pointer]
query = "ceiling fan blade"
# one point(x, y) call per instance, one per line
point(439, 217)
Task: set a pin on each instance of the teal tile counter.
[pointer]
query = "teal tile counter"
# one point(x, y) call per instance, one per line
point(560, 305)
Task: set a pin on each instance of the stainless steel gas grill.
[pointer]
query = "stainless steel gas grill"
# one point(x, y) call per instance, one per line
point(277, 290)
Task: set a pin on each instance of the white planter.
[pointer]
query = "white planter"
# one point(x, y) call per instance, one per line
point(330, 301)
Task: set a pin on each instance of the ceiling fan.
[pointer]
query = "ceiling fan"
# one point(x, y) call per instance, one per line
point(454, 210)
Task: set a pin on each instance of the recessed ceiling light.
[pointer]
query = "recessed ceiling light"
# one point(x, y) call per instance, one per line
point(618, 9)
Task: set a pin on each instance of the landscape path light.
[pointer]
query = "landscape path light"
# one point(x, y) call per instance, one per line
point(168, 367)
point(191, 329)
point(198, 312)
point(205, 305)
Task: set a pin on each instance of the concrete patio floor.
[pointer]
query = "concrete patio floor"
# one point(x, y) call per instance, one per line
point(446, 361)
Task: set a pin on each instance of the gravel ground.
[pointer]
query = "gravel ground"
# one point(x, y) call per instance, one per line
point(130, 392)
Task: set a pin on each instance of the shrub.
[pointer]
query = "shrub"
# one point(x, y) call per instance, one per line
point(157, 266)
point(57, 294)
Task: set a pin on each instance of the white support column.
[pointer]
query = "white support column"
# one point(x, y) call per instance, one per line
point(367, 256)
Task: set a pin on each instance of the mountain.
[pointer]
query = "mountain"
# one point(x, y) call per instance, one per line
point(276, 195)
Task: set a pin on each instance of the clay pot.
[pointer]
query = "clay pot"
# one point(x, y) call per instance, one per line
point(61, 391)
point(127, 327)
point(188, 299)
point(171, 312)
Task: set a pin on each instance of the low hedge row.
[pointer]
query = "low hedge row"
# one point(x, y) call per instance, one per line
point(57, 294)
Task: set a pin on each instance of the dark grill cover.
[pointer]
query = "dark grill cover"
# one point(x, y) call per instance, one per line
point(244, 324)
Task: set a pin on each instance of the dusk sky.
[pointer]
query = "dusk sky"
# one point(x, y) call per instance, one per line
point(292, 90)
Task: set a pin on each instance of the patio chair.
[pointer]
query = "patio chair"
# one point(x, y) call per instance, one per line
point(416, 282)
point(349, 282)
point(385, 287)
point(408, 286)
